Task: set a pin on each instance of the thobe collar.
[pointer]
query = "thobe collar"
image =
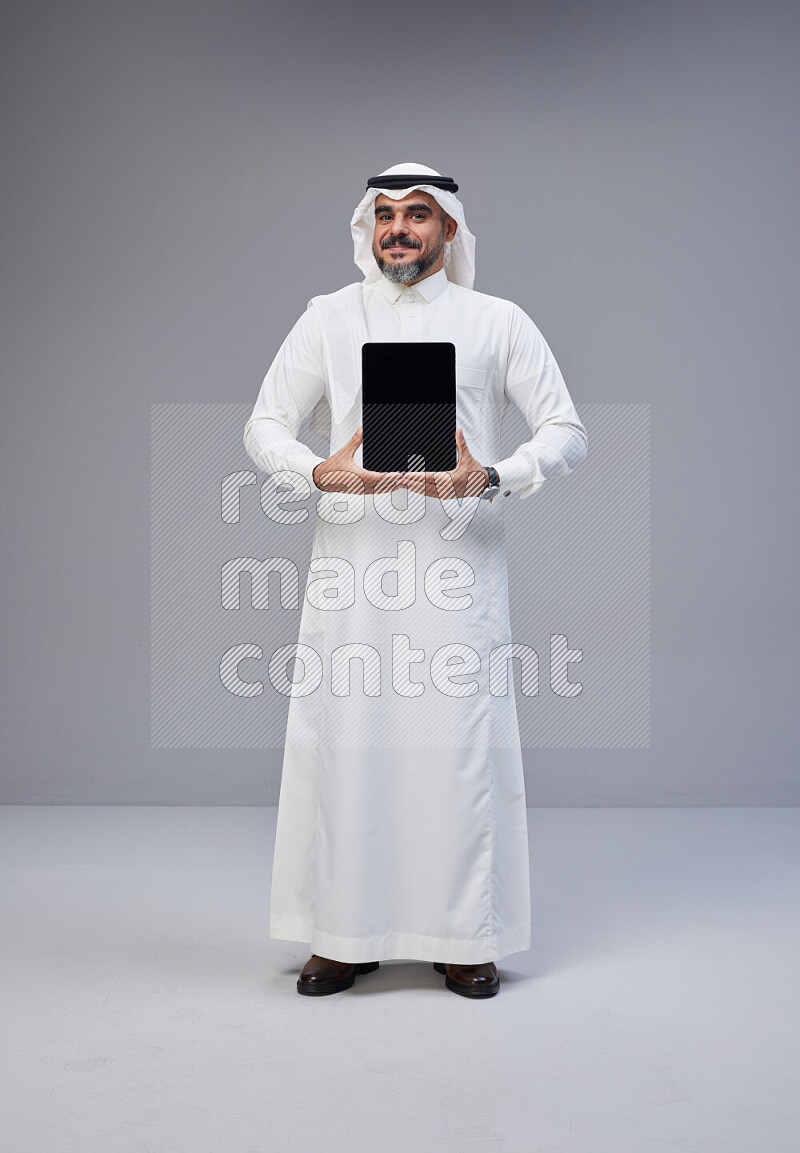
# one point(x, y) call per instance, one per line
point(425, 290)
point(344, 331)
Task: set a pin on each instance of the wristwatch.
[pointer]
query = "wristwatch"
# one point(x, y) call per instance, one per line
point(494, 484)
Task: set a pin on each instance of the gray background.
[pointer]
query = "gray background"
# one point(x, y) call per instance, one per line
point(178, 181)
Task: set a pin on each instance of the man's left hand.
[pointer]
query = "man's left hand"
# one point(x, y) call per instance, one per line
point(468, 478)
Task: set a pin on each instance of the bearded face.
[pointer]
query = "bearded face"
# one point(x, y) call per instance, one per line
point(410, 235)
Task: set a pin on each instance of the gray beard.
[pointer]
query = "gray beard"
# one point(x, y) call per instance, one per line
point(412, 269)
point(403, 273)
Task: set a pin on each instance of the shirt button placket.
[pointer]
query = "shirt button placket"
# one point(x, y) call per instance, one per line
point(412, 328)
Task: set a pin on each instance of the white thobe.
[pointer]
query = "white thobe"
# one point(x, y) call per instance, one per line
point(401, 826)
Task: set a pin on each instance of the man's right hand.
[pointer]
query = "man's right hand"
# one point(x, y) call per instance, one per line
point(338, 473)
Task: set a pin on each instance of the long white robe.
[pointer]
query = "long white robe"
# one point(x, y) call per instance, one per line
point(401, 821)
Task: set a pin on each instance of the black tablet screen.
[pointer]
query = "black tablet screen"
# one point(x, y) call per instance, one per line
point(409, 407)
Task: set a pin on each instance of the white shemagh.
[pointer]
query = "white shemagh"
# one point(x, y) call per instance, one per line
point(341, 314)
point(459, 253)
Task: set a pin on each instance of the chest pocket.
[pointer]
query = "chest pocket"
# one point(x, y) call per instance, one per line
point(470, 391)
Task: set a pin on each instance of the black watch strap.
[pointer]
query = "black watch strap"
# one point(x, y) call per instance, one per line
point(494, 479)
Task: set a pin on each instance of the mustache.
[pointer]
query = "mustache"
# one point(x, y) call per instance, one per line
point(402, 240)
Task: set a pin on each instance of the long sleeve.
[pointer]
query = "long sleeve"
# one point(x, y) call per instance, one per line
point(293, 385)
point(534, 383)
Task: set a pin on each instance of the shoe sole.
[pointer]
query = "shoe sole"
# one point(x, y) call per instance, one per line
point(323, 988)
point(462, 990)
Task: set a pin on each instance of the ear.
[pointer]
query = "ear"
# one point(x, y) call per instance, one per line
point(450, 228)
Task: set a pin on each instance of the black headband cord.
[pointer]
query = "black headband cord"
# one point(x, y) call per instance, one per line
point(405, 181)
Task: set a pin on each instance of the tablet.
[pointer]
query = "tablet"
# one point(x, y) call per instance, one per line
point(408, 394)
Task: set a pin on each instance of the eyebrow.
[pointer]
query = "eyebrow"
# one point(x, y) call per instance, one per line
point(409, 208)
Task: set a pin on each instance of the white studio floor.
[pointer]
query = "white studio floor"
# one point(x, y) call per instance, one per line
point(146, 1009)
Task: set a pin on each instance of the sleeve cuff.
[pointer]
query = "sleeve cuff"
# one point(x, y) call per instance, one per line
point(275, 454)
point(515, 474)
point(526, 471)
point(305, 466)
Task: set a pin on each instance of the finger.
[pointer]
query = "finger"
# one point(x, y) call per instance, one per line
point(461, 446)
point(379, 481)
point(475, 483)
point(415, 481)
point(443, 485)
point(387, 481)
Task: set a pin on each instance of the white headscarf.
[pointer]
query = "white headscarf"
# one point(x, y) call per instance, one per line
point(459, 253)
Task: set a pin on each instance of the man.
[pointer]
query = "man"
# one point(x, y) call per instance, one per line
point(401, 821)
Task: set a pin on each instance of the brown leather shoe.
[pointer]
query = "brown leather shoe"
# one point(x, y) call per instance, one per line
point(470, 980)
point(321, 975)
